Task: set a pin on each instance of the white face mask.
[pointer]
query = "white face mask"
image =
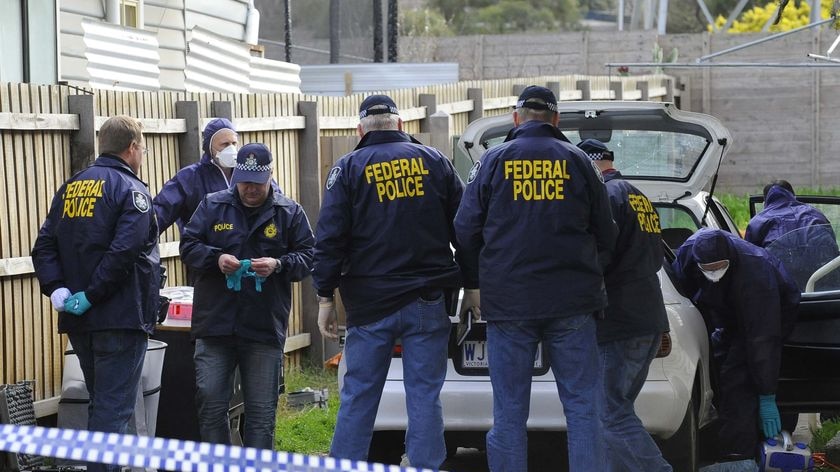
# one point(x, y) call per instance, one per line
point(714, 275)
point(227, 156)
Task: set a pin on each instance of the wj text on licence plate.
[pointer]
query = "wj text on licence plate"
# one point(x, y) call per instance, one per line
point(474, 355)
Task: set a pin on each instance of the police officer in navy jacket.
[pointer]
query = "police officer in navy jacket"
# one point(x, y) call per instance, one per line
point(96, 258)
point(536, 217)
point(246, 244)
point(180, 196)
point(747, 297)
point(383, 239)
point(631, 330)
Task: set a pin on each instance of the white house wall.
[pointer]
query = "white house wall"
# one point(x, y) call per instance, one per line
point(169, 19)
point(222, 17)
point(72, 63)
point(166, 17)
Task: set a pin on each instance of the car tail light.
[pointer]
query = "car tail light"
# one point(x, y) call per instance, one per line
point(664, 346)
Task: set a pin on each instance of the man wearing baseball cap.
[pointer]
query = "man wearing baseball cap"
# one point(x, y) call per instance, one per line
point(246, 245)
point(631, 330)
point(535, 216)
point(384, 236)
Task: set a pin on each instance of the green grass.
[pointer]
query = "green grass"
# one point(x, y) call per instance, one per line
point(307, 431)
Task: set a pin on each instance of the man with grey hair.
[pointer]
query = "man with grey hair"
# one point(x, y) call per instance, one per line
point(383, 239)
point(536, 231)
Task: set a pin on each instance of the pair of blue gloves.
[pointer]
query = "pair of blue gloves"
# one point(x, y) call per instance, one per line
point(234, 280)
point(77, 304)
point(768, 413)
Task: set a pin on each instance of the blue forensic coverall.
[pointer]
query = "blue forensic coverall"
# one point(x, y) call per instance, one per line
point(384, 239)
point(180, 195)
point(535, 220)
point(798, 234)
point(631, 330)
point(754, 307)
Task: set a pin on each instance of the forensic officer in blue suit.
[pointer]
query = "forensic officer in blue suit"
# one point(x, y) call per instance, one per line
point(747, 297)
point(96, 258)
point(795, 232)
point(536, 218)
point(246, 245)
point(782, 214)
point(633, 323)
point(180, 196)
point(383, 239)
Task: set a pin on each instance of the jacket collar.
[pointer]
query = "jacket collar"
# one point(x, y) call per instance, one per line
point(536, 129)
point(110, 160)
point(611, 174)
point(386, 136)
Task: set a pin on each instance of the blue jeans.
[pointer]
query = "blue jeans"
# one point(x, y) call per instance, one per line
point(624, 368)
point(423, 327)
point(746, 465)
point(216, 359)
point(111, 363)
point(573, 353)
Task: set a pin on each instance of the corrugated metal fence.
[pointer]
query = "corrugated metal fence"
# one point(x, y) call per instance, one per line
point(41, 128)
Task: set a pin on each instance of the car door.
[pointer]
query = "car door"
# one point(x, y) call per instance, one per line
point(808, 381)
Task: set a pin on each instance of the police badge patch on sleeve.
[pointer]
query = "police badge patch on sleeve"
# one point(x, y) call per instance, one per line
point(474, 172)
point(140, 200)
point(333, 177)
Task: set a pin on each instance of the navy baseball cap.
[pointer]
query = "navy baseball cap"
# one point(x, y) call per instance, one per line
point(595, 150)
point(374, 101)
point(253, 164)
point(532, 92)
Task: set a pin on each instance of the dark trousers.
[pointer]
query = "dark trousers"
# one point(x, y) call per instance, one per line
point(737, 402)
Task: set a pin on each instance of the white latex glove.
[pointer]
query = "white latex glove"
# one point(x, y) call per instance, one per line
point(327, 321)
point(58, 297)
point(471, 299)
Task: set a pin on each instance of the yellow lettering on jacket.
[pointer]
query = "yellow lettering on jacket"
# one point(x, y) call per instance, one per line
point(537, 179)
point(397, 178)
point(80, 198)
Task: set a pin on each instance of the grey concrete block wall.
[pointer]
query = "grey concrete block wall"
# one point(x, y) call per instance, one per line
point(785, 122)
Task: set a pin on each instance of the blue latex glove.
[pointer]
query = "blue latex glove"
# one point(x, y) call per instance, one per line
point(234, 280)
point(77, 304)
point(768, 412)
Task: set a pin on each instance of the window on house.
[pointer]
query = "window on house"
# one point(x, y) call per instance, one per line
point(130, 13)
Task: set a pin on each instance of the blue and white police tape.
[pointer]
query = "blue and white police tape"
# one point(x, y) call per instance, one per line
point(169, 454)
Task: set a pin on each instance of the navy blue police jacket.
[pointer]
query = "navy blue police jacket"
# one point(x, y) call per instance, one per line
point(635, 296)
point(223, 225)
point(385, 227)
point(100, 237)
point(180, 196)
point(535, 219)
point(782, 214)
point(755, 302)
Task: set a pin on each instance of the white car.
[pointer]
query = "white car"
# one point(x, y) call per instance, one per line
point(672, 156)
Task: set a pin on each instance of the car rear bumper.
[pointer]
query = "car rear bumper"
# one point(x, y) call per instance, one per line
point(468, 406)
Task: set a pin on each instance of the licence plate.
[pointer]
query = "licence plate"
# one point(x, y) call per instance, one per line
point(474, 355)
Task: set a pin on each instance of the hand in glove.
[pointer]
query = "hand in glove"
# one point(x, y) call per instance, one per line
point(471, 299)
point(768, 413)
point(58, 297)
point(77, 304)
point(327, 322)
